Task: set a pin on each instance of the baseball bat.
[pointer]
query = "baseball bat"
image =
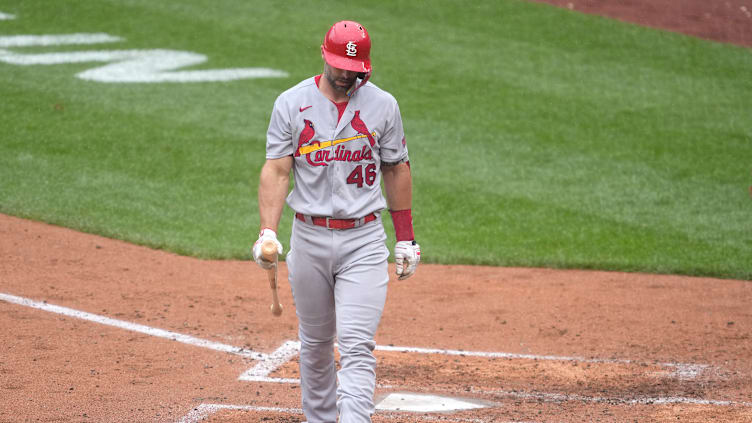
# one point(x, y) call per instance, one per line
point(269, 253)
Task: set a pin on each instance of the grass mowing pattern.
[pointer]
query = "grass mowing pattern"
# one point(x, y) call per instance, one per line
point(538, 136)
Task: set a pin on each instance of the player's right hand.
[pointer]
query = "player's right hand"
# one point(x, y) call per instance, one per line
point(266, 234)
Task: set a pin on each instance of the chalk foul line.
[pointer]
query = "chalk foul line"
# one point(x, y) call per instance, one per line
point(270, 362)
point(133, 327)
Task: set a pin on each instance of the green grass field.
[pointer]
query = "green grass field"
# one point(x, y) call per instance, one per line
point(538, 136)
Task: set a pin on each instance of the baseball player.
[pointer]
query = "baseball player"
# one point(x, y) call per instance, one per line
point(340, 135)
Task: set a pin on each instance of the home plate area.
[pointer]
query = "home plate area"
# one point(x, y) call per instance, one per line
point(394, 402)
point(417, 384)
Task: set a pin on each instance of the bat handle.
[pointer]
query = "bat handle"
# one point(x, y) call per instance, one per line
point(269, 251)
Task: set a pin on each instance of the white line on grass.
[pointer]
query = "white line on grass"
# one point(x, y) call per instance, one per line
point(6, 16)
point(56, 40)
point(134, 327)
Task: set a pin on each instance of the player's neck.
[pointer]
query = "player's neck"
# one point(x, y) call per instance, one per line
point(335, 95)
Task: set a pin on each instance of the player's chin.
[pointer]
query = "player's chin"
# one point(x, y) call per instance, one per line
point(344, 85)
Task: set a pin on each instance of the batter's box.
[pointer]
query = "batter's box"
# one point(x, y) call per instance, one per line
point(479, 374)
point(423, 370)
point(227, 413)
point(528, 411)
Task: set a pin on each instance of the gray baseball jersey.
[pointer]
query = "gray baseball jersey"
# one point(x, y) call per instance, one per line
point(337, 164)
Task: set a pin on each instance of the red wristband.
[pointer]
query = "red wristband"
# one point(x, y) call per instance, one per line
point(403, 224)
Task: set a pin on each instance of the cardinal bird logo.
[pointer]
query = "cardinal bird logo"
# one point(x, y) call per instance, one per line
point(305, 136)
point(358, 125)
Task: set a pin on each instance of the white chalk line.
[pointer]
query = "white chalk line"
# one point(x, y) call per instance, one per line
point(558, 398)
point(275, 360)
point(683, 370)
point(261, 372)
point(561, 398)
point(271, 362)
point(56, 40)
point(124, 66)
point(133, 327)
point(203, 411)
point(6, 16)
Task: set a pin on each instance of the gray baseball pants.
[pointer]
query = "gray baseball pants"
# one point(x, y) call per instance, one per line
point(339, 283)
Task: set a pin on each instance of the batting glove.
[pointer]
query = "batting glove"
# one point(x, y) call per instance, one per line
point(407, 257)
point(266, 234)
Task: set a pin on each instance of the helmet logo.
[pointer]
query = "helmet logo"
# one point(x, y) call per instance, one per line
point(352, 49)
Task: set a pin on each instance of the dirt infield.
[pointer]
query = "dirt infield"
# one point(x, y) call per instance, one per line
point(96, 330)
point(89, 322)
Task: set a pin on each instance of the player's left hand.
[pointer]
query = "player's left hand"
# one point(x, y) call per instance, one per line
point(407, 257)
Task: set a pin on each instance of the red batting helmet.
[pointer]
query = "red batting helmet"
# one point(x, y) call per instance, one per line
point(348, 46)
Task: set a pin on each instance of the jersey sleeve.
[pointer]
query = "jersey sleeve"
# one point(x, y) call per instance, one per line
point(392, 143)
point(279, 135)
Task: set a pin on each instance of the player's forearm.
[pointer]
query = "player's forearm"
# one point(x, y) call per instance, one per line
point(273, 186)
point(398, 186)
